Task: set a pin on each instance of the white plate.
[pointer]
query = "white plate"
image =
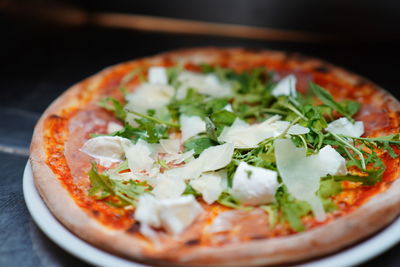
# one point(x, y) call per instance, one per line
point(64, 238)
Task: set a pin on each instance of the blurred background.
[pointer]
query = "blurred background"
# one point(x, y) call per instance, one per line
point(46, 46)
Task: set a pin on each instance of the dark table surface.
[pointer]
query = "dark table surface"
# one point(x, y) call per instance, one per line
point(38, 62)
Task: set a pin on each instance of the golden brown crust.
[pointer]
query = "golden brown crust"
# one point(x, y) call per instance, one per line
point(346, 230)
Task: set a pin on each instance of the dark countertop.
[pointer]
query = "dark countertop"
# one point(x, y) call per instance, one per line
point(38, 62)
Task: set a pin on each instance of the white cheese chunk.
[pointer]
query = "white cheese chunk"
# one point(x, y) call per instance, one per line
point(216, 157)
point(147, 211)
point(157, 75)
point(334, 163)
point(139, 156)
point(149, 96)
point(208, 84)
point(174, 215)
point(210, 185)
point(286, 86)
point(106, 149)
point(254, 185)
point(168, 187)
point(302, 174)
point(191, 126)
point(170, 146)
point(113, 127)
point(345, 127)
point(179, 213)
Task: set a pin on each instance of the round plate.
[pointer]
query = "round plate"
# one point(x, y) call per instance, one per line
point(354, 255)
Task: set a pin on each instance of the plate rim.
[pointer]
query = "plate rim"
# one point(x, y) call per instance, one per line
point(59, 234)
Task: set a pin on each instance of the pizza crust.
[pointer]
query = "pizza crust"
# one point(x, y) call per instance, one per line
point(369, 218)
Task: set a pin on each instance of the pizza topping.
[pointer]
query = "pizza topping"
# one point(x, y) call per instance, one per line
point(302, 174)
point(248, 143)
point(191, 126)
point(210, 185)
point(286, 87)
point(243, 135)
point(113, 127)
point(139, 156)
point(106, 149)
point(208, 84)
point(254, 185)
point(149, 96)
point(345, 127)
point(158, 75)
point(174, 215)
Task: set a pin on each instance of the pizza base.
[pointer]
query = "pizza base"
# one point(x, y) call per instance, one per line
point(378, 212)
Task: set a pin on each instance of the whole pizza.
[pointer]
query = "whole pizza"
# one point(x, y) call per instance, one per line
point(215, 156)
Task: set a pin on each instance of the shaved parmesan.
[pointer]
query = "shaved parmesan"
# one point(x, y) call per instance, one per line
point(106, 149)
point(210, 185)
point(286, 86)
point(168, 187)
point(157, 75)
point(254, 185)
point(113, 127)
point(149, 96)
point(191, 126)
point(345, 127)
point(174, 215)
point(302, 174)
point(138, 156)
point(170, 146)
point(216, 157)
point(208, 84)
point(179, 157)
point(191, 170)
point(243, 135)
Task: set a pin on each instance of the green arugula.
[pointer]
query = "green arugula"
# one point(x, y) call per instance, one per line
point(126, 192)
point(115, 106)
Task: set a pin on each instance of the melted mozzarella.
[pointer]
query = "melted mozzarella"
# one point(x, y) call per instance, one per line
point(106, 149)
point(286, 86)
point(149, 96)
point(345, 127)
point(254, 185)
point(157, 75)
point(208, 84)
point(302, 174)
point(210, 185)
point(191, 126)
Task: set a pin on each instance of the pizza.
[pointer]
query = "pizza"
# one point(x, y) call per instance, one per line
point(215, 156)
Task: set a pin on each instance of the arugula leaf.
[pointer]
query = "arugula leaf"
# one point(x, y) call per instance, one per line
point(199, 144)
point(191, 105)
point(292, 209)
point(228, 200)
point(328, 100)
point(189, 190)
point(329, 187)
point(113, 105)
point(126, 192)
point(223, 117)
point(373, 177)
point(101, 187)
